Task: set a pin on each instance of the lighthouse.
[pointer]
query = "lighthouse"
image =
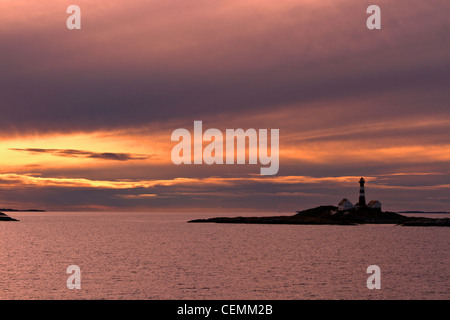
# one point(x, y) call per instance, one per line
point(346, 205)
point(362, 193)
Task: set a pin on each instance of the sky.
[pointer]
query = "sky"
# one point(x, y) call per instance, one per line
point(86, 116)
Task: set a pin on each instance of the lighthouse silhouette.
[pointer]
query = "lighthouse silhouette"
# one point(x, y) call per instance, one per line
point(362, 194)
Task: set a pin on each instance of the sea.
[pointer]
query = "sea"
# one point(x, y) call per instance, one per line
point(159, 256)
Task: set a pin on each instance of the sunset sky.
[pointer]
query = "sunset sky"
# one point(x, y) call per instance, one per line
point(87, 115)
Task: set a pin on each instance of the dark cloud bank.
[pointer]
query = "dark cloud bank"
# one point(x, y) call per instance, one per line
point(55, 81)
point(71, 153)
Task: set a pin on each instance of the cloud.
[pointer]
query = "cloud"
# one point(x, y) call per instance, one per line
point(137, 196)
point(85, 154)
point(144, 62)
point(249, 192)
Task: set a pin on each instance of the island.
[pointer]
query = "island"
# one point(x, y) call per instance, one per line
point(344, 214)
point(4, 217)
point(330, 215)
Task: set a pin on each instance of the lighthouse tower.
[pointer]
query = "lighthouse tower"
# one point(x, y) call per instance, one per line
point(362, 194)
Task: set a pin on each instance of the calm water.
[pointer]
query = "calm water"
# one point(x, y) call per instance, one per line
point(160, 256)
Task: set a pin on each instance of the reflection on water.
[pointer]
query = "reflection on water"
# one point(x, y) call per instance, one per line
point(160, 256)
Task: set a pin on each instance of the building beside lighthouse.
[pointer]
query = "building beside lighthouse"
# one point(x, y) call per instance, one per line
point(345, 204)
point(375, 204)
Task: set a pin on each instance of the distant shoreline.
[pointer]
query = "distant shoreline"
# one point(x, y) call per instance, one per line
point(19, 210)
point(429, 212)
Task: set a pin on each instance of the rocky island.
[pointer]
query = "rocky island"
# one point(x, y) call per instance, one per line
point(4, 217)
point(345, 214)
point(330, 215)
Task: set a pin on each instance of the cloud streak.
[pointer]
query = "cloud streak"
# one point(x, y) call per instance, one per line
point(251, 192)
point(71, 153)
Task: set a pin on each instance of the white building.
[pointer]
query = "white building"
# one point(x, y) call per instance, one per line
point(345, 204)
point(375, 204)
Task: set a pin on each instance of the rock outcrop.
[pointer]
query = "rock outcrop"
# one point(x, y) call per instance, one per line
point(4, 217)
point(331, 216)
